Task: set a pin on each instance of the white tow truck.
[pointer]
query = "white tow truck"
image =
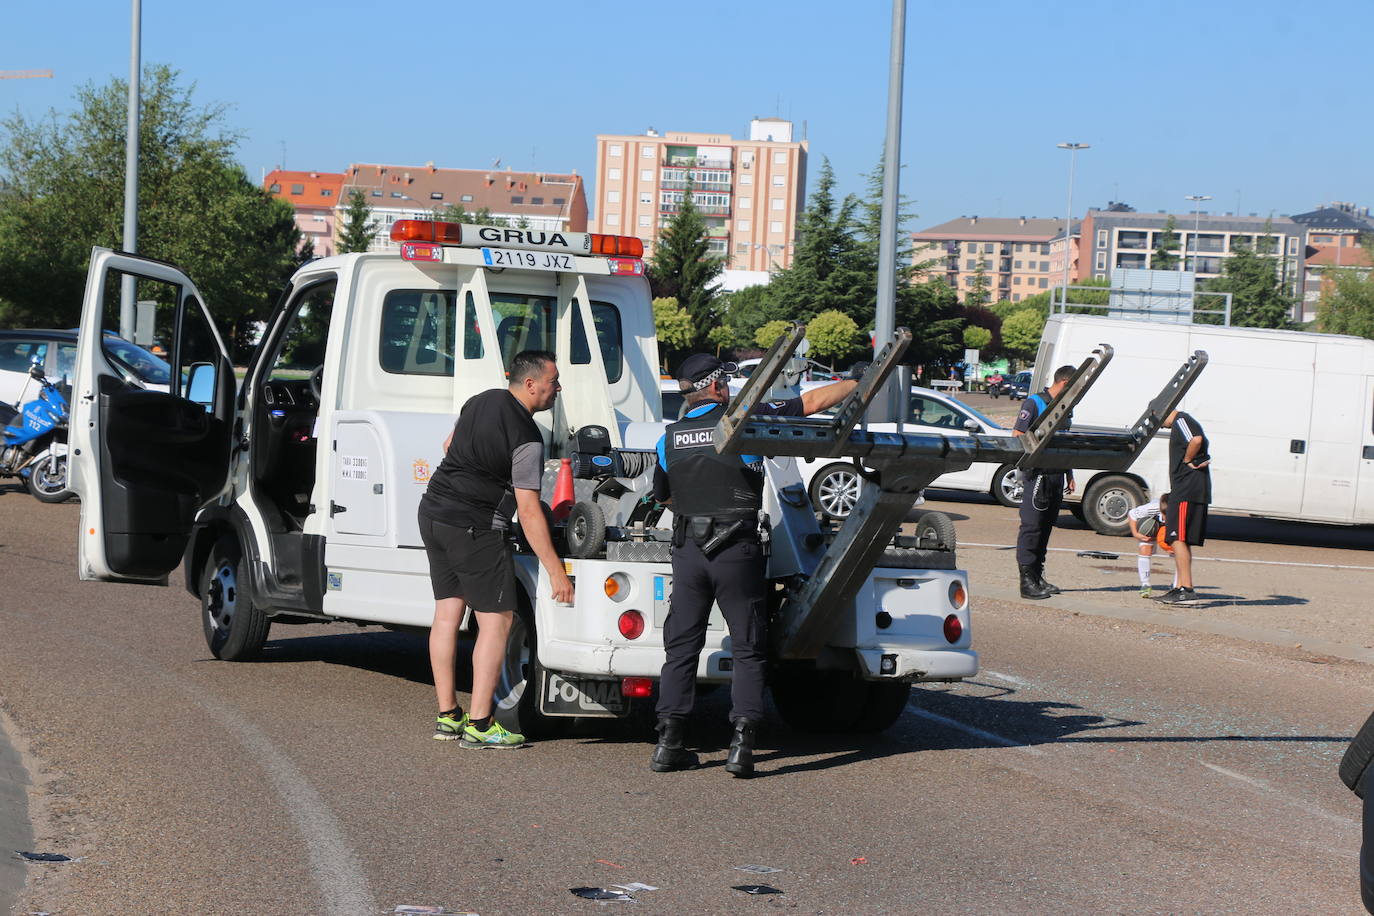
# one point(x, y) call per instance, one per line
point(291, 497)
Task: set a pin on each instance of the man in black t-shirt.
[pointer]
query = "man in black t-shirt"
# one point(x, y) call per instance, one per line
point(1190, 485)
point(717, 557)
point(492, 470)
point(1041, 497)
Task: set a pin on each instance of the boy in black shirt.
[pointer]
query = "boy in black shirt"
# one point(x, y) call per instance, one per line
point(492, 468)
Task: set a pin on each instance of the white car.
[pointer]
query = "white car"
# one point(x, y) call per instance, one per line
point(835, 485)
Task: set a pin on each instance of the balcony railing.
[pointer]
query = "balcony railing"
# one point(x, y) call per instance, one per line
point(704, 209)
point(1138, 244)
point(677, 184)
point(685, 162)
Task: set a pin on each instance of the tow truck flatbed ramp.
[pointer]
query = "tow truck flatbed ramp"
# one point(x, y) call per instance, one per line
point(902, 464)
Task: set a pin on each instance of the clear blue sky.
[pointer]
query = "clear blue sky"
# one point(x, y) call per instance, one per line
point(1263, 99)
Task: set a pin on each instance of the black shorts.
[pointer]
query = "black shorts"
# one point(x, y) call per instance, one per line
point(470, 563)
point(1186, 521)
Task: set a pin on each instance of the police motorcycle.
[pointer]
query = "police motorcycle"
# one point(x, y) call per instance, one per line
point(34, 443)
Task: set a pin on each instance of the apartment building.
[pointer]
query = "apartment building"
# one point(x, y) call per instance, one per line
point(1120, 238)
point(750, 192)
point(539, 200)
point(1334, 233)
point(1014, 254)
point(314, 195)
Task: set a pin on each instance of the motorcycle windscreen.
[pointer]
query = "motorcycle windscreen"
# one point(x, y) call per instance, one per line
point(150, 436)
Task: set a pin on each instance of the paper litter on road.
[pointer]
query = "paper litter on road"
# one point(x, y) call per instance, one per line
point(635, 886)
point(599, 893)
point(1098, 555)
point(757, 889)
point(757, 869)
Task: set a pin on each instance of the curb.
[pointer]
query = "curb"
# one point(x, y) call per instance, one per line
point(15, 830)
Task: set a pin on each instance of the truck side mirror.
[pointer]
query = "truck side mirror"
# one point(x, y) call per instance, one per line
point(200, 385)
point(972, 425)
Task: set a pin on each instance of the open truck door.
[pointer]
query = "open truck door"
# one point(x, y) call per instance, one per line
point(142, 460)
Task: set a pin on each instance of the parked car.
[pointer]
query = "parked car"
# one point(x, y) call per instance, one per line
point(1016, 386)
point(835, 486)
point(55, 352)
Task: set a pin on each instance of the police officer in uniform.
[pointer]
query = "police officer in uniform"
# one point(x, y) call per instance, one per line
point(1041, 498)
point(717, 556)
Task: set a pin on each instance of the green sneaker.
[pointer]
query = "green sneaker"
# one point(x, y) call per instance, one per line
point(449, 728)
point(495, 736)
point(1146, 592)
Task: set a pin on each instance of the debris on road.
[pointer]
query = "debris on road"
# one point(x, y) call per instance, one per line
point(859, 860)
point(757, 889)
point(599, 893)
point(607, 862)
point(757, 869)
point(43, 856)
point(1098, 555)
point(635, 886)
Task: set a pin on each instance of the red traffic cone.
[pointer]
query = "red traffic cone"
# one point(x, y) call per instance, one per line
point(563, 496)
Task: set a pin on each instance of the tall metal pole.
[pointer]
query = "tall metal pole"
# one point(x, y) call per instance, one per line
point(1197, 200)
point(128, 292)
point(1073, 149)
point(889, 407)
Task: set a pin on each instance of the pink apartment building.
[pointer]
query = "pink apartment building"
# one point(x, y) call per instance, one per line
point(314, 195)
point(750, 192)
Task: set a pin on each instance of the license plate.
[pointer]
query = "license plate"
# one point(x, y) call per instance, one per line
point(561, 695)
point(527, 260)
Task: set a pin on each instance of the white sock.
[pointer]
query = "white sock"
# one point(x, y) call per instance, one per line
point(1142, 563)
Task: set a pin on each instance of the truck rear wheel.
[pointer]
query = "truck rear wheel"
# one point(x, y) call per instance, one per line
point(235, 628)
point(517, 689)
point(935, 531)
point(836, 701)
point(1107, 503)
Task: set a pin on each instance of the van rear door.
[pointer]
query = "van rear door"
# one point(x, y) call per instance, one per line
point(1363, 513)
point(143, 460)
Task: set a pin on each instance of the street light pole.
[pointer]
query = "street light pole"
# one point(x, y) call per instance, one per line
point(128, 290)
point(1073, 149)
point(1197, 200)
point(890, 404)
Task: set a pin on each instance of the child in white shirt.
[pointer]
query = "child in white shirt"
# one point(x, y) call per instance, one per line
point(1145, 515)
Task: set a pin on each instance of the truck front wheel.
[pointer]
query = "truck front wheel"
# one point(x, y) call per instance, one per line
point(235, 628)
point(1107, 503)
point(836, 701)
point(517, 690)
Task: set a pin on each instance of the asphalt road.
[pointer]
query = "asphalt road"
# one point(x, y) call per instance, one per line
point(1103, 761)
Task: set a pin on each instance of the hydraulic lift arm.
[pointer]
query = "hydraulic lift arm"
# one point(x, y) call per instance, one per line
point(905, 463)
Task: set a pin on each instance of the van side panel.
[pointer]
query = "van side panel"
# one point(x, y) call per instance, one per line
point(1334, 449)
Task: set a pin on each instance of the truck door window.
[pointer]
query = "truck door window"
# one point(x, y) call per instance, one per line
point(301, 349)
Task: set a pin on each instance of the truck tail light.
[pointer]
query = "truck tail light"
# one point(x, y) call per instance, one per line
point(957, 595)
point(631, 624)
point(953, 629)
point(636, 686)
point(617, 586)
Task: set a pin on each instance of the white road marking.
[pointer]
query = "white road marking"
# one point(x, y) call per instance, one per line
point(1009, 678)
point(1248, 780)
point(975, 731)
point(1204, 558)
point(1262, 786)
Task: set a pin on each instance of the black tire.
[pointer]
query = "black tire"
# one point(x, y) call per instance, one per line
point(820, 702)
point(935, 531)
point(517, 689)
point(235, 628)
point(886, 703)
point(835, 490)
point(1007, 486)
point(586, 531)
point(47, 479)
point(1107, 502)
point(1357, 757)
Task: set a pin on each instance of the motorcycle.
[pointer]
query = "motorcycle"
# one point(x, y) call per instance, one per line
point(34, 442)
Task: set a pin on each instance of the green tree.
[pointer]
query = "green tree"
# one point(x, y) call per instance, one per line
point(745, 311)
point(977, 338)
point(977, 295)
point(768, 334)
point(1258, 297)
point(672, 325)
point(832, 334)
point(930, 309)
point(722, 337)
point(828, 270)
point(457, 213)
point(683, 267)
point(1163, 257)
point(359, 227)
point(62, 192)
point(1021, 332)
point(1347, 301)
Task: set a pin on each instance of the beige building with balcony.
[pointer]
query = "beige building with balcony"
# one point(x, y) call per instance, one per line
point(750, 192)
point(1014, 254)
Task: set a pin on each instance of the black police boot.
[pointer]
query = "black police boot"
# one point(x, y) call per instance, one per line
point(741, 760)
point(1031, 586)
point(670, 754)
point(1046, 584)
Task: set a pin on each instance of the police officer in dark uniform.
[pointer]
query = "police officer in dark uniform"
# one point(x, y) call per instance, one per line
point(717, 556)
point(1041, 497)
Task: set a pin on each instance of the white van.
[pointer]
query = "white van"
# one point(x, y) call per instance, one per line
point(1289, 416)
